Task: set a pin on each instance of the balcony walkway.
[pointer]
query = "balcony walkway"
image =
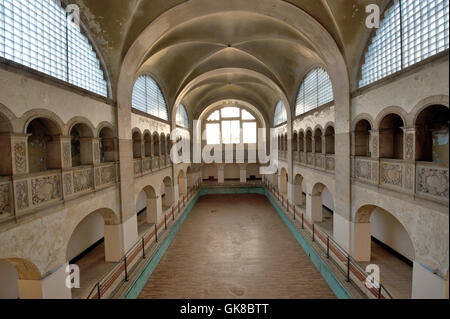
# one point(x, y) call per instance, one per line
point(235, 246)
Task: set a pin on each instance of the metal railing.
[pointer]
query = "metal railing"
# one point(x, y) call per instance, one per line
point(120, 273)
point(352, 270)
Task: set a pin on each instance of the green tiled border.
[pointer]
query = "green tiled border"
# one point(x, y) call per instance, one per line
point(326, 273)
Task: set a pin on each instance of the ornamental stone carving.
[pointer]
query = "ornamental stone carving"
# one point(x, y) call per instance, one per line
point(98, 176)
point(375, 146)
point(83, 180)
point(67, 182)
point(363, 170)
point(409, 177)
point(20, 160)
point(5, 199)
point(330, 164)
point(137, 167)
point(108, 175)
point(391, 174)
point(432, 181)
point(21, 191)
point(45, 189)
point(409, 147)
point(67, 154)
point(96, 152)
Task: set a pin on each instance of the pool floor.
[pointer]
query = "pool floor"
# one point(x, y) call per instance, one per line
point(235, 246)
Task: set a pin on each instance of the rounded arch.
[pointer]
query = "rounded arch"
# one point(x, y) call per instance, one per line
point(284, 179)
point(147, 83)
point(182, 185)
point(364, 219)
point(89, 129)
point(299, 196)
point(103, 125)
point(15, 275)
point(167, 193)
point(360, 117)
point(390, 110)
point(6, 119)
point(56, 125)
point(425, 103)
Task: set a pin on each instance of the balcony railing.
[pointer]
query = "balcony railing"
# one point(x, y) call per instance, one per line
point(319, 161)
point(39, 190)
point(147, 165)
point(349, 267)
point(422, 179)
point(129, 263)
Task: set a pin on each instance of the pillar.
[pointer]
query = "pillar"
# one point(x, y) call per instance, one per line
point(426, 284)
point(313, 208)
point(243, 173)
point(52, 286)
point(361, 236)
point(221, 173)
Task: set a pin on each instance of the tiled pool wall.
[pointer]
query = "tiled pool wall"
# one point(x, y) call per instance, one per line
point(320, 265)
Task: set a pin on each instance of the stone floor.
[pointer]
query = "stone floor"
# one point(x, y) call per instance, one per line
point(92, 268)
point(235, 246)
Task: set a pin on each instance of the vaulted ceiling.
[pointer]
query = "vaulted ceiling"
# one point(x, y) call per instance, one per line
point(233, 38)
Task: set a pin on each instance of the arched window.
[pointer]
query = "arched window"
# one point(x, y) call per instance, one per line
point(362, 138)
point(137, 145)
point(391, 137)
point(38, 35)
point(147, 97)
point(280, 114)
point(329, 140)
point(148, 145)
point(316, 90)
point(80, 138)
point(301, 137)
point(107, 145)
point(410, 32)
point(318, 141)
point(309, 142)
point(225, 126)
point(182, 117)
point(432, 135)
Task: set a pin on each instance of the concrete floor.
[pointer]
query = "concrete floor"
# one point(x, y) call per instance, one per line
point(235, 246)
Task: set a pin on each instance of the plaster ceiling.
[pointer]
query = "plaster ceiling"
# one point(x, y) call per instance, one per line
point(235, 38)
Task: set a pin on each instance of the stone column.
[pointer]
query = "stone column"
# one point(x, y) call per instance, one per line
point(243, 173)
point(52, 286)
point(409, 155)
point(361, 241)
point(313, 206)
point(221, 173)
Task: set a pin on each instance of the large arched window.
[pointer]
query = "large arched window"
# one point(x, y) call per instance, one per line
point(182, 117)
point(225, 126)
point(280, 114)
point(410, 32)
point(316, 90)
point(147, 97)
point(38, 35)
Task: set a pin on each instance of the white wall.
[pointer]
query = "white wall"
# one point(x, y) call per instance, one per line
point(387, 229)
point(8, 281)
point(232, 171)
point(327, 199)
point(87, 233)
point(141, 201)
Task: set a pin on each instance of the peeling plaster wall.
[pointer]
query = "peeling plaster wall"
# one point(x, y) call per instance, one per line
point(21, 94)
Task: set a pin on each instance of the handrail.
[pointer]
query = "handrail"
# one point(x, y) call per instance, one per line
point(122, 266)
point(345, 261)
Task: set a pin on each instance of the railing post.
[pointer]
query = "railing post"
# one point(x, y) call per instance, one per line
point(99, 294)
point(328, 246)
point(348, 268)
point(314, 232)
point(173, 214)
point(303, 221)
point(379, 291)
point(143, 248)
point(156, 233)
point(126, 268)
point(294, 211)
point(165, 221)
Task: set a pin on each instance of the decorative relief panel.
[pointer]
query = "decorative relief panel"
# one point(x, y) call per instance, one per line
point(363, 169)
point(319, 161)
point(309, 159)
point(409, 147)
point(330, 163)
point(67, 183)
point(147, 164)
point(375, 146)
point(108, 175)
point(98, 177)
point(392, 174)
point(409, 177)
point(432, 181)
point(20, 157)
point(45, 189)
point(137, 167)
point(67, 154)
point(5, 199)
point(21, 191)
point(96, 153)
point(83, 180)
